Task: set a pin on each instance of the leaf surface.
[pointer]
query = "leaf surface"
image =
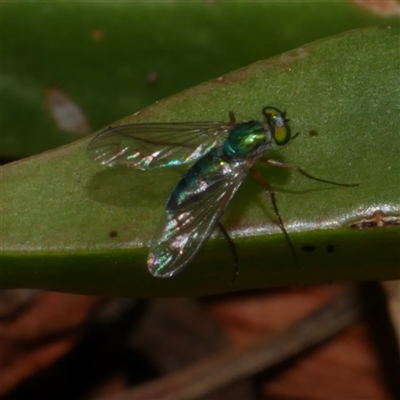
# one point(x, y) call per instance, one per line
point(69, 224)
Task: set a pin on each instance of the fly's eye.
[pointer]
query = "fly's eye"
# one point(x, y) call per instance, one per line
point(271, 113)
point(282, 135)
point(278, 124)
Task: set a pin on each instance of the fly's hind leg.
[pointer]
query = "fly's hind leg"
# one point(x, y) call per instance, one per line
point(233, 249)
point(275, 163)
point(259, 178)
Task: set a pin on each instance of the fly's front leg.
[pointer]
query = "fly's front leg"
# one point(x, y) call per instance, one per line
point(233, 249)
point(259, 178)
point(275, 163)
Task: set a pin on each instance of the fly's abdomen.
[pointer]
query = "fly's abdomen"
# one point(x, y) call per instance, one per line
point(204, 174)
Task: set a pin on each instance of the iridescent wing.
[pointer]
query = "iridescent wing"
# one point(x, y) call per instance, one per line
point(155, 145)
point(182, 233)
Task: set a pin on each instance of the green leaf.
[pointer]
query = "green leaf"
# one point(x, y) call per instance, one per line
point(111, 59)
point(71, 225)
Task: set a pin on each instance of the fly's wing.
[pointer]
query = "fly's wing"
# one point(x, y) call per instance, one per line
point(182, 233)
point(155, 145)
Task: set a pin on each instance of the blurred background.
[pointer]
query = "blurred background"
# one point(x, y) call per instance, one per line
point(71, 68)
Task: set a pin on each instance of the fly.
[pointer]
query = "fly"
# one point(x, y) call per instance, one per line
point(221, 153)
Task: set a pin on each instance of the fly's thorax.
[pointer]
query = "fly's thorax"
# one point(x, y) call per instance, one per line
point(248, 140)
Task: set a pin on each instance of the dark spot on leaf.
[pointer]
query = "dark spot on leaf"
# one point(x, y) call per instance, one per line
point(98, 34)
point(152, 77)
point(113, 234)
point(309, 249)
point(330, 248)
point(313, 133)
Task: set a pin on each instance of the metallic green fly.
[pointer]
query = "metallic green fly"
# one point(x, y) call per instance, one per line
point(222, 154)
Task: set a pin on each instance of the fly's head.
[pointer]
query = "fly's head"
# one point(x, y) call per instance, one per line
point(278, 125)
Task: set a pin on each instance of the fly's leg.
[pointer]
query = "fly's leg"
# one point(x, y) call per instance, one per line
point(233, 249)
point(259, 178)
point(295, 135)
point(232, 117)
point(275, 163)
